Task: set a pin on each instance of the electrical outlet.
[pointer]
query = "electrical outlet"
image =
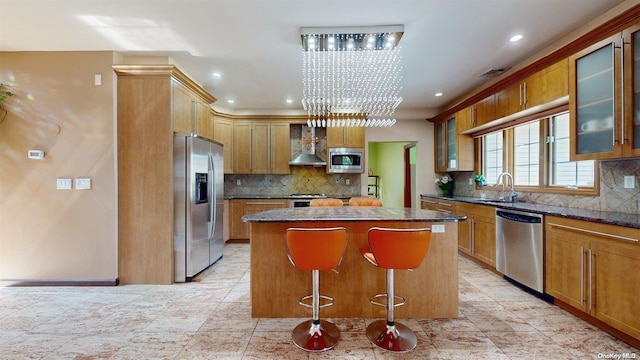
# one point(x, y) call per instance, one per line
point(348, 181)
point(83, 184)
point(437, 228)
point(238, 182)
point(629, 182)
point(63, 184)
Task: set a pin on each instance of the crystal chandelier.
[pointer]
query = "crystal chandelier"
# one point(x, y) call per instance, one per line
point(351, 76)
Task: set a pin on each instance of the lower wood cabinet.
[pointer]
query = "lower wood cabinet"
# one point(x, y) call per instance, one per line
point(240, 207)
point(477, 234)
point(595, 268)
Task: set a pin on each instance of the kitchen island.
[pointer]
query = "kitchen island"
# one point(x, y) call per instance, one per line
point(431, 290)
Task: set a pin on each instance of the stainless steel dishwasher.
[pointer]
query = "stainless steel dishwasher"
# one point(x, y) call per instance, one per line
point(519, 247)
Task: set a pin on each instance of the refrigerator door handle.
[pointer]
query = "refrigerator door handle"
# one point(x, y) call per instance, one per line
point(212, 195)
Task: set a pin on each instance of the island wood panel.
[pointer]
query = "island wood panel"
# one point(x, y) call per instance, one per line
point(276, 286)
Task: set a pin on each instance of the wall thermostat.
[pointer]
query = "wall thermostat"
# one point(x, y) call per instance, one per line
point(35, 154)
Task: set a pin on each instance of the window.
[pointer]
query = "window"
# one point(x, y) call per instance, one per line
point(492, 156)
point(537, 153)
point(526, 153)
point(564, 172)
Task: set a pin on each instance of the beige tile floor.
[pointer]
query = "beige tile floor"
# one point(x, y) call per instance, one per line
point(210, 319)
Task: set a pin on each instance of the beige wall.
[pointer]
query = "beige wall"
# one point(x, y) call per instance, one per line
point(419, 131)
point(50, 234)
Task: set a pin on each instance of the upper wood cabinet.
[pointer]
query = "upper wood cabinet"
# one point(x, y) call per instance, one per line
point(353, 137)
point(261, 147)
point(605, 114)
point(223, 133)
point(540, 88)
point(191, 114)
point(453, 151)
point(484, 111)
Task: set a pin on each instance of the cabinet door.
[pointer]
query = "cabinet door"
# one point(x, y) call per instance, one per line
point(280, 148)
point(237, 228)
point(464, 120)
point(594, 100)
point(451, 152)
point(465, 233)
point(183, 110)
point(223, 133)
point(335, 137)
point(354, 136)
point(509, 100)
point(484, 239)
point(204, 121)
point(616, 285)
point(631, 97)
point(546, 85)
point(485, 110)
point(260, 146)
point(440, 147)
point(566, 266)
point(242, 147)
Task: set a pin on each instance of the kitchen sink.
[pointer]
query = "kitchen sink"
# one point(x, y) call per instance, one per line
point(496, 201)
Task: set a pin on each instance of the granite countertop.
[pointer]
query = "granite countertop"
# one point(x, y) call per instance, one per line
point(350, 214)
point(231, 197)
point(605, 217)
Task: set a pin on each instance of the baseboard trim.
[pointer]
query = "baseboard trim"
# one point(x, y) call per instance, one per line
point(25, 283)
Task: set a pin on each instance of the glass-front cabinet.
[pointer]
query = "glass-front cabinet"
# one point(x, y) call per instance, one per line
point(603, 88)
point(453, 151)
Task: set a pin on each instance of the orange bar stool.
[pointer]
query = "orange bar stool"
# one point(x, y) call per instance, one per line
point(394, 249)
point(326, 202)
point(365, 201)
point(316, 249)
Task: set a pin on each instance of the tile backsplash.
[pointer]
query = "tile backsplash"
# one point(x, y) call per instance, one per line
point(302, 180)
point(613, 196)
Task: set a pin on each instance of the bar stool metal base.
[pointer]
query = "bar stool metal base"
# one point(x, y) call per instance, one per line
point(397, 337)
point(316, 337)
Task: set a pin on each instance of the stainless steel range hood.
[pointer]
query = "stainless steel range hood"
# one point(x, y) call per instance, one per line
point(308, 144)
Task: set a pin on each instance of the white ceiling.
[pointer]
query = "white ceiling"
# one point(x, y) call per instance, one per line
point(255, 44)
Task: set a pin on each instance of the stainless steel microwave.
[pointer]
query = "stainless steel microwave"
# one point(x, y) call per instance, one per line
point(345, 160)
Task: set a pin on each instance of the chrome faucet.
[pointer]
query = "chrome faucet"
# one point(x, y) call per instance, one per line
point(512, 194)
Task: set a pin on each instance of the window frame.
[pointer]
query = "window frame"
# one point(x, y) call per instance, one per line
point(508, 160)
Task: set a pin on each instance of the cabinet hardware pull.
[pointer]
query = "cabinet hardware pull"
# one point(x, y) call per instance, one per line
point(582, 252)
point(520, 95)
point(473, 236)
point(622, 112)
point(590, 283)
point(524, 94)
point(617, 237)
point(445, 204)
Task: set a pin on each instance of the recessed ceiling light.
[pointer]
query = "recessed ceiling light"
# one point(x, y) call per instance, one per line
point(231, 101)
point(216, 75)
point(289, 101)
point(516, 38)
point(438, 94)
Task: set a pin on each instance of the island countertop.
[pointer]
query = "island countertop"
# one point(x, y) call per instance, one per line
point(348, 213)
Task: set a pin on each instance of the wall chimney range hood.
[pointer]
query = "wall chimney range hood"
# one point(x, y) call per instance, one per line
point(308, 156)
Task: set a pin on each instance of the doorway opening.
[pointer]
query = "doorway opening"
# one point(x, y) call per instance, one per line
point(394, 165)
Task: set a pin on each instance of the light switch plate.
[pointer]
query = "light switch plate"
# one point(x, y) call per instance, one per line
point(83, 183)
point(629, 182)
point(63, 184)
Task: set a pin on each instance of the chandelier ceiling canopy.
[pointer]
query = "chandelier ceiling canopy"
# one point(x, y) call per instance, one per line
point(351, 75)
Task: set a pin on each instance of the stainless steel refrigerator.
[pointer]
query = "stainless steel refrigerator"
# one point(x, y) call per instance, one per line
point(198, 205)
